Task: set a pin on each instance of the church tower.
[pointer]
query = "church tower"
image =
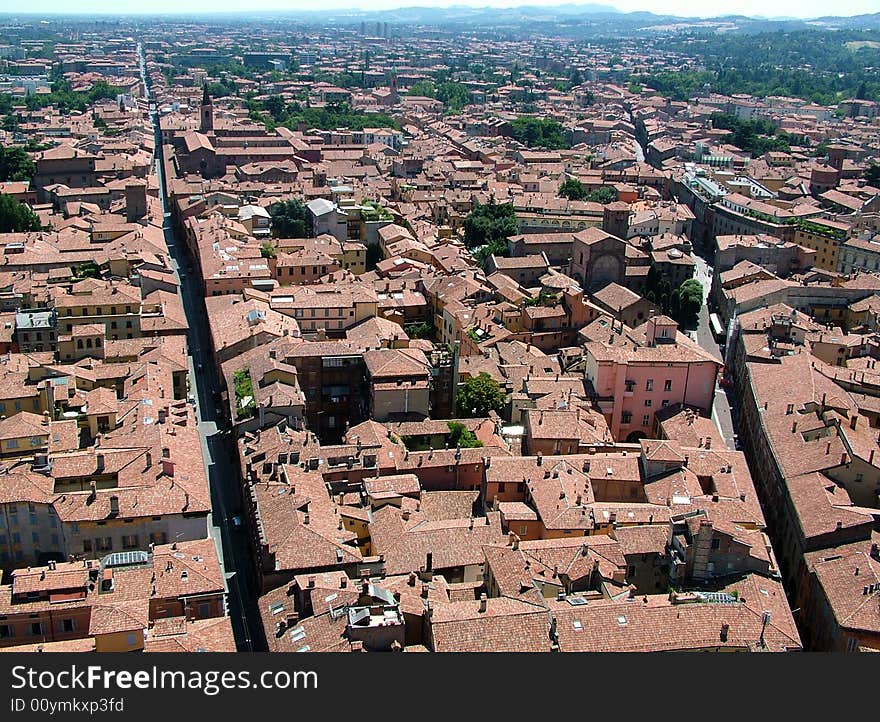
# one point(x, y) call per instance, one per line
point(393, 97)
point(207, 115)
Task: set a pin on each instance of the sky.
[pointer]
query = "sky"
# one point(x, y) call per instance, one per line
point(688, 8)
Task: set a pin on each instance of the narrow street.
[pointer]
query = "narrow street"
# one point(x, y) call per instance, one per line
point(218, 448)
point(722, 413)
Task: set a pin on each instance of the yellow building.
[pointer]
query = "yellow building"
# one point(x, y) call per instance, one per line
point(825, 237)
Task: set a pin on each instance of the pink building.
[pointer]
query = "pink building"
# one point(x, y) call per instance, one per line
point(637, 372)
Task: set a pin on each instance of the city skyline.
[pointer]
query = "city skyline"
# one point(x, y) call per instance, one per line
point(801, 9)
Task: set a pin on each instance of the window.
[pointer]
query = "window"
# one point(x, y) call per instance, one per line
point(646, 419)
point(130, 640)
point(204, 610)
point(626, 417)
point(87, 546)
point(630, 385)
point(852, 644)
point(68, 625)
point(665, 403)
point(647, 402)
point(36, 629)
point(501, 487)
point(649, 385)
point(7, 631)
point(667, 385)
point(129, 541)
point(12, 444)
point(716, 543)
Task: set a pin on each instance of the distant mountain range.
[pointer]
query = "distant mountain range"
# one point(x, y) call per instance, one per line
point(591, 19)
point(571, 15)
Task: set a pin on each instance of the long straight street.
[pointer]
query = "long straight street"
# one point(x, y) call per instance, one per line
point(217, 447)
point(722, 413)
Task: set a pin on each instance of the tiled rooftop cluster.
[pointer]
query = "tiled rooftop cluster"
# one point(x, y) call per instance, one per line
point(599, 508)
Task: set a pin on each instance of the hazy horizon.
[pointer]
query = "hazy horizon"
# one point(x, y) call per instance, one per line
point(802, 9)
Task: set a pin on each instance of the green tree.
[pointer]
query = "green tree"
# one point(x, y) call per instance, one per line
point(605, 194)
point(490, 224)
point(573, 189)
point(453, 95)
point(872, 174)
point(244, 393)
point(15, 164)
point(753, 136)
point(87, 269)
point(275, 106)
point(423, 89)
point(539, 132)
point(267, 250)
point(478, 396)
point(686, 301)
point(16, 217)
point(419, 330)
point(460, 435)
point(290, 219)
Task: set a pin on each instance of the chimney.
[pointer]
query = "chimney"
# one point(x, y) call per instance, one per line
point(540, 458)
point(483, 603)
point(306, 519)
point(343, 582)
point(725, 628)
point(114, 505)
point(854, 421)
point(311, 582)
point(425, 590)
point(149, 459)
point(429, 562)
point(708, 442)
point(412, 579)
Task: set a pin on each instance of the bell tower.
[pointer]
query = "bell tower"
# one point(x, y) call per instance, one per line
point(207, 112)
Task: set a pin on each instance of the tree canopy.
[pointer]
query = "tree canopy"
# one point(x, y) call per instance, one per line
point(489, 225)
point(539, 132)
point(460, 435)
point(818, 65)
point(574, 190)
point(290, 219)
point(478, 396)
point(16, 217)
point(273, 111)
point(753, 136)
point(65, 99)
point(15, 164)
